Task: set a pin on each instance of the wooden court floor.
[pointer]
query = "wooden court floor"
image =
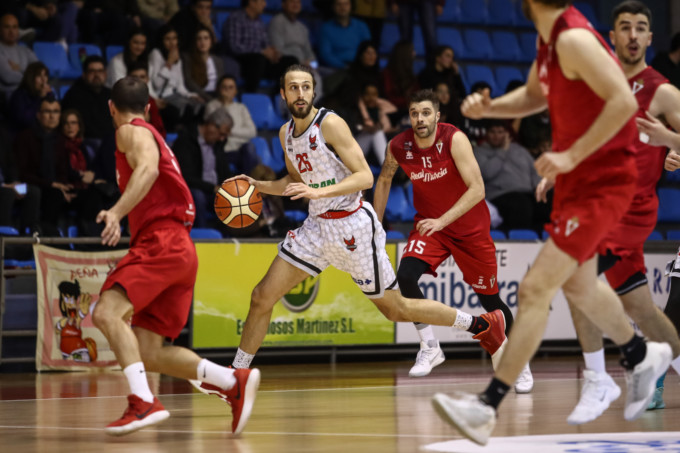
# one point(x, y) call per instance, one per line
point(347, 407)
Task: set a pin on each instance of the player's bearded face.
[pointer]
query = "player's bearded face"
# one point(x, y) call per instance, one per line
point(299, 93)
point(423, 119)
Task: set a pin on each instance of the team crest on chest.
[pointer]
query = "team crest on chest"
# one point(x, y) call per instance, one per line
point(439, 146)
point(350, 244)
point(638, 85)
point(407, 148)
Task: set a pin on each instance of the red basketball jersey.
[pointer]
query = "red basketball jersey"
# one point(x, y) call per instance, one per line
point(437, 185)
point(169, 197)
point(574, 107)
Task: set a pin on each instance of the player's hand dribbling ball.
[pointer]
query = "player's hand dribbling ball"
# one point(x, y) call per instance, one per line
point(238, 204)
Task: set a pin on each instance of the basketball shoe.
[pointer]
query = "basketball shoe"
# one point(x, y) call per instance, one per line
point(525, 381)
point(139, 414)
point(597, 393)
point(641, 380)
point(468, 414)
point(240, 397)
point(493, 339)
point(426, 359)
point(657, 400)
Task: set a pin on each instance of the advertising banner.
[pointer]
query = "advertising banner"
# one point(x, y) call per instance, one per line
point(327, 310)
point(68, 286)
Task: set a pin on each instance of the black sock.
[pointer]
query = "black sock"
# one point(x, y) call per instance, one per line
point(478, 325)
point(633, 352)
point(494, 393)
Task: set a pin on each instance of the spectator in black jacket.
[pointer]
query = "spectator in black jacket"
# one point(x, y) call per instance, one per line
point(443, 69)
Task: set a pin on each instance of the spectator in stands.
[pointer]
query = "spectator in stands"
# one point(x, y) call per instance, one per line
point(398, 79)
point(428, 10)
point(19, 202)
point(510, 179)
point(108, 22)
point(376, 127)
point(135, 50)
point(199, 152)
point(373, 13)
point(340, 37)
point(141, 71)
point(476, 129)
point(156, 13)
point(13, 58)
point(443, 68)
point(167, 75)
point(90, 97)
point(25, 101)
point(240, 151)
point(668, 63)
point(448, 108)
point(52, 20)
point(187, 20)
point(202, 69)
point(249, 43)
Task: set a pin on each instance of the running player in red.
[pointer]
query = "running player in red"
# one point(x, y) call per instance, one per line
point(452, 218)
point(624, 264)
point(591, 108)
point(152, 286)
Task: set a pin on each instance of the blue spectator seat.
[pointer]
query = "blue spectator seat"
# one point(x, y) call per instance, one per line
point(418, 41)
point(545, 235)
point(220, 19)
point(452, 37)
point(473, 12)
point(262, 148)
point(530, 235)
point(262, 111)
point(520, 19)
point(277, 161)
point(655, 236)
point(8, 231)
point(394, 234)
point(62, 91)
point(234, 4)
point(205, 233)
point(650, 54)
point(55, 58)
point(505, 75)
point(669, 205)
point(527, 42)
point(450, 14)
point(397, 204)
point(497, 235)
point(77, 53)
point(389, 37)
point(72, 231)
point(502, 12)
point(476, 73)
point(296, 215)
point(505, 46)
point(477, 45)
point(170, 138)
point(112, 51)
point(673, 235)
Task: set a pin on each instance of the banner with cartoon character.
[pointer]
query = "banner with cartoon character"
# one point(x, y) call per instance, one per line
point(68, 289)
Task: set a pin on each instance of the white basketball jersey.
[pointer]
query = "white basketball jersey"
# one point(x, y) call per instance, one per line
point(319, 166)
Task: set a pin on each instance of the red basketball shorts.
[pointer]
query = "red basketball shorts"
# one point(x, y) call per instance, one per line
point(474, 255)
point(158, 275)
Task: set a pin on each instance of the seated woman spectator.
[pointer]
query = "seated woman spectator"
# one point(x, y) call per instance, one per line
point(201, 68)
point(448, 107)
point(240, 151)
point(375, 127)
point(135, 51)
point(399, 81)
point(167, 75)
point(25, 101)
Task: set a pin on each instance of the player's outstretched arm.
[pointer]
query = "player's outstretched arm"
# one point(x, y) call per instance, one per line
point(382, 186)
point(467, 166)
point(142, 154)
point(338, 136)
point(523, 101)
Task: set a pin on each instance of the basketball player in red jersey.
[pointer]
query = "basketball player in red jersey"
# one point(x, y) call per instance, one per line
point(152, 286)
point(591, 107)
point(624, 264)
point(452, 218)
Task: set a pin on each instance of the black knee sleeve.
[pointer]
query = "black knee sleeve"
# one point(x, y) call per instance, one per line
point(492, 302)
point(409, 272)
point(672, 309)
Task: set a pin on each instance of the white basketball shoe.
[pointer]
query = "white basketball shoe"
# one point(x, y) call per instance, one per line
point(597, 393)
point(468, 414)
point(426, 359)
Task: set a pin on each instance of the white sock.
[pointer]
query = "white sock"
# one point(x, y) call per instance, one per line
point(242, 359)
point(426, 334)
point(139, 385)
point(463, 320)
point(595, 361)
point(676, 364)
point(215, 374)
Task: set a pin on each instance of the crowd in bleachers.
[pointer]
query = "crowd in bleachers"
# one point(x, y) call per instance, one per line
point(212, 67)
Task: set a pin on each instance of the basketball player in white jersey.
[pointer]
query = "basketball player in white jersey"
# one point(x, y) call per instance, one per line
point(326, 165)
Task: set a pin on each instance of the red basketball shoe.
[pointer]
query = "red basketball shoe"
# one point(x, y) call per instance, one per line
point(493, 339)
point(240, 397)
point(139, 414)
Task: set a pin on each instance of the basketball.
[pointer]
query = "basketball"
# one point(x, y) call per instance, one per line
point(238, 204)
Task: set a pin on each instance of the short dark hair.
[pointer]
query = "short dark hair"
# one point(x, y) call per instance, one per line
point(92, 59)
point(425, 95)
point(137, 65)
point(440, 49)
point(631, 7)
point(130, 95)
point(50, 98)
point(293, 68)
point(226, 77)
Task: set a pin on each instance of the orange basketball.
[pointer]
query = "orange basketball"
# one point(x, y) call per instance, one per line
point(238, 204)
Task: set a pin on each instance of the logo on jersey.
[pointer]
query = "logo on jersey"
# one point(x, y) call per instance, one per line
point(302, 296)
point(638, 85)
point(291, 234)
point(480, 283)
point(492, 280)
point(439, 146)
point(429, 176)
point(312, 142)
point(572, 224)
point(350, 244)
point(409, 155)
point(408, 146)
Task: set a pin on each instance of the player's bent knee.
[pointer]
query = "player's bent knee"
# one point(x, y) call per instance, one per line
point(260, 300)
point(529, 294)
